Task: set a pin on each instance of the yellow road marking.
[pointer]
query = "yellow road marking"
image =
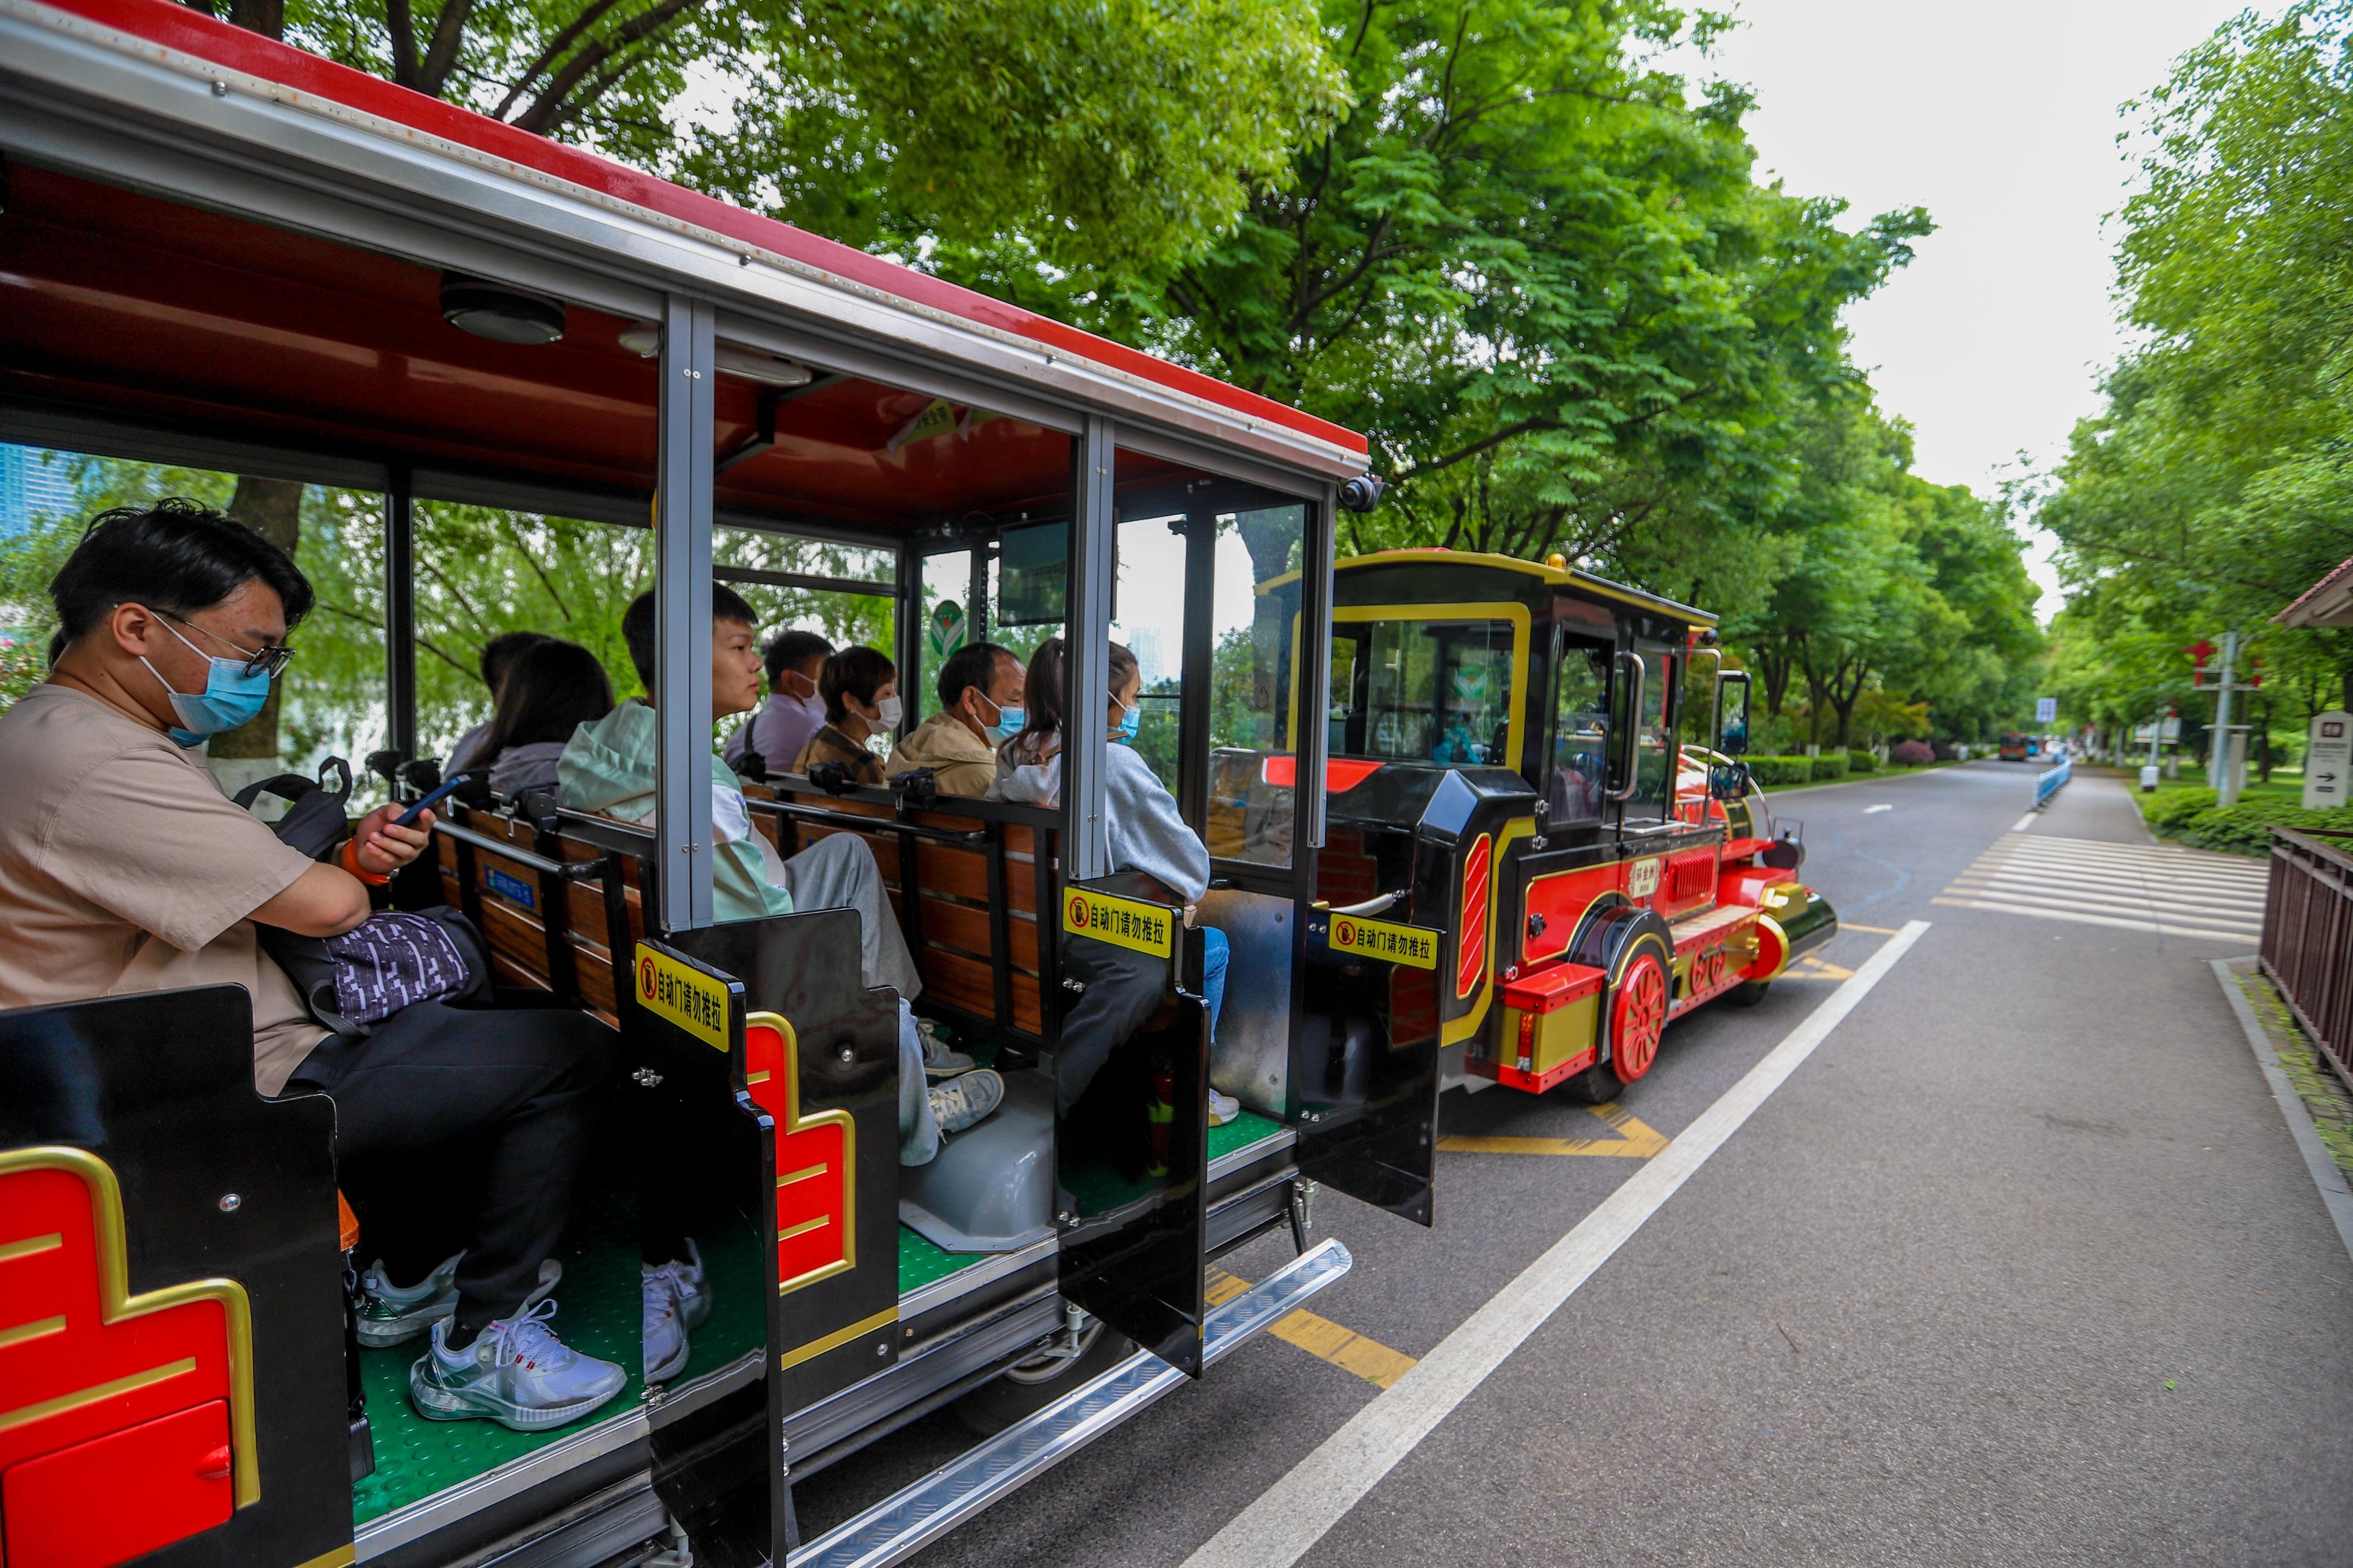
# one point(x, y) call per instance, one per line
point(1817, 968)
point(1875, 931)
point(1635, 1139)
point(1322, 1338)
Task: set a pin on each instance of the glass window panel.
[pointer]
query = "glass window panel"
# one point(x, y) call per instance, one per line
point(947, 626)
point(1423, 691)
point(1250, 815)
point(1149, 621)
point(1581, 734)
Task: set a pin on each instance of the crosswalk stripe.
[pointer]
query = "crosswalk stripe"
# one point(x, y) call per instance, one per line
point(2080, 918)
point(2114, 893)
point(2084, 849)
point(2067, 900)
point(2226, 873)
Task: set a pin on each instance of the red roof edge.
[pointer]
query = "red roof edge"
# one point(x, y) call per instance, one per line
point(174, 27)
point(2340, 574)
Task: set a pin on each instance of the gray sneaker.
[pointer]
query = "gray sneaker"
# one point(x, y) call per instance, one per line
point(963, 1102)
point(517, 1373)
point(940, 1058)
point(388, 1315)
point(676, 1298)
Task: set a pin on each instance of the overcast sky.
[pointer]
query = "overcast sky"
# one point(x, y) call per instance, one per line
point(2000, 118)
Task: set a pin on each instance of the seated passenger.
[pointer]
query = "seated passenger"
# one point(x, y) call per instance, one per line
point(861, 698)
point(1147, 834)
point(123, 867)
point(498, 654)
point(553, 689)
point(793, 709)
point(980, 706)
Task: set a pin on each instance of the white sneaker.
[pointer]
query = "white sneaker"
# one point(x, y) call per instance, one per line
point(940, 1058)
point(675, 1299)
point(1223, 1107)
point(517, 1373)
point(388, 1315)
point(959, 1104)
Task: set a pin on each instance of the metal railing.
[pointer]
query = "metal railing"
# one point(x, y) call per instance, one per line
point(2309, 935)
point(2047, 783)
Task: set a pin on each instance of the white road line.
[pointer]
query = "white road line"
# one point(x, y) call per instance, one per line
point(2142, 908)
point(2023, 822)
point(1869, 809)
point(2196, 877)
point(2104, 893)
point(2081, 918)
point(2188, 888)
point(2233, 868)
point(1291, 1516)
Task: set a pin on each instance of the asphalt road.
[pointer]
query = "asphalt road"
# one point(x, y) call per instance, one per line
point(2019, 1266)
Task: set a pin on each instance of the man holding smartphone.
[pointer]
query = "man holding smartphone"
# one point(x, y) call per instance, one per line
point(123, 867)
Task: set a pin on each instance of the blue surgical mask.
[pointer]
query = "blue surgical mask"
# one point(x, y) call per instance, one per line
point(232, 696)
point(1008, 723)
point(1131, 719)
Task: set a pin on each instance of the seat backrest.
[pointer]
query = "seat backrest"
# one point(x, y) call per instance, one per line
point(545, 903)
point(982, 870)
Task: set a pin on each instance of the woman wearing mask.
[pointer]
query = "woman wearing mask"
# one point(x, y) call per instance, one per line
point(860, 688)
point(1148, 835)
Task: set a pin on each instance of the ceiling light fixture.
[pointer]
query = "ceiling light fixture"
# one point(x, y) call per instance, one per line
point(503, 314)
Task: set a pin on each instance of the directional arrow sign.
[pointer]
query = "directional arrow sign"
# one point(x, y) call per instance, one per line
point(2328, 759)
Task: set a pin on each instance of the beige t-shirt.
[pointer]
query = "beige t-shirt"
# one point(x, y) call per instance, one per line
point(123, 867)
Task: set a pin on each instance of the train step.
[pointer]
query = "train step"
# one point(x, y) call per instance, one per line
point(900, 1526)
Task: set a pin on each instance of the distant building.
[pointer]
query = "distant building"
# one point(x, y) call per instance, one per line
point(34, 482)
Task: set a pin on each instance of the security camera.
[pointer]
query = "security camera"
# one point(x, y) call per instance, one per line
point(1360, 494)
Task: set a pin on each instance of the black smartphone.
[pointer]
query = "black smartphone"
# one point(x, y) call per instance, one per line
point(408, 818)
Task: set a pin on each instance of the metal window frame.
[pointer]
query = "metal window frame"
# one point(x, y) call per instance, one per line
point(684, 846)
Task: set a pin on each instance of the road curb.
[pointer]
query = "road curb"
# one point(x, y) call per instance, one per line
point(2335, 1196)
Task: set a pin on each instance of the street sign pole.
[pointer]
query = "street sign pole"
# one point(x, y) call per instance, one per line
point(2218, 751)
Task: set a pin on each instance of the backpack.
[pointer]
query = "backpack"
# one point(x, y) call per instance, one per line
point(392, 960)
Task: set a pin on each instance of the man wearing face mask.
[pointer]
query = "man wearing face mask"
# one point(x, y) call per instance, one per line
point(124, 869)
point(980, 708)
point(793, 709)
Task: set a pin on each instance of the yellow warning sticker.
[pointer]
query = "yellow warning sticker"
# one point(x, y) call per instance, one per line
point(1126, 922)
point(684, 994)
point(1411, 945)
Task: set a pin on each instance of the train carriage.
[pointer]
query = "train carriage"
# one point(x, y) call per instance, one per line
point(218, 252)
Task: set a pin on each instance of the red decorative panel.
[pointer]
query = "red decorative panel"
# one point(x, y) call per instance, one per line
point(816, 1161)
point(83, 1363)
point(120, 1496)
point(1473, 928)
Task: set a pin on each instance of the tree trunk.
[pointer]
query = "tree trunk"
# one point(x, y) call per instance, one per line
point(272, 509)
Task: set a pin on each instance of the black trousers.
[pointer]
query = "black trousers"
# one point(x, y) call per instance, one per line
point(1124, 988)
point(465, 1128)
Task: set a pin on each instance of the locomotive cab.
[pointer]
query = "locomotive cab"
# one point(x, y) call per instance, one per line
point(1541, 847)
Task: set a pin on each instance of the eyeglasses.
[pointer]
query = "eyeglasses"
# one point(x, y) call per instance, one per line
point(270, 661)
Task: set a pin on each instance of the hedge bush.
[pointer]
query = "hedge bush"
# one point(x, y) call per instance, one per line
point(1911, 754)
point(1862, 761)
point(1831, 766)
point(2169, 808)
point(1780, 770)
point(2245, 828)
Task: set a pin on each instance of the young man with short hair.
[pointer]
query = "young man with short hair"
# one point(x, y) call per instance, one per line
point(793, 709)
point(123, 869)
point(609, 768)
point(980, 708)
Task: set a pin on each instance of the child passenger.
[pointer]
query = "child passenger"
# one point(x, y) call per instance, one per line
point(1147, 834)
point(608, 767)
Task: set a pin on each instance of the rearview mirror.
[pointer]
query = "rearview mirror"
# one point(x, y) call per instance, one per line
point(1732, 713)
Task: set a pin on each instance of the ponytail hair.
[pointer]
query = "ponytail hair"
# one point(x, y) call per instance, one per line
point(1043, 693)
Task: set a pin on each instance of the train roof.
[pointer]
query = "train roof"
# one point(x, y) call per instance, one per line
point(1552, 576)
point(279, 225)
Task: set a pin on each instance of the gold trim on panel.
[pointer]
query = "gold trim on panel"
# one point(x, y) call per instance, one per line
point(793, 1121)
point(836, 1340)
point(25, 1415)
point(341, 1557)
point(1468, 1025)
point(116, 1302)
point(802, 1175)
point(30, 1246)
point(39, 1328)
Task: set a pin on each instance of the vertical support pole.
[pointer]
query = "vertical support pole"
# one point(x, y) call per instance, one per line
point(682, 836)
point(1086, 667)
point(907, 635)
point(1314, 676)
point(2218, 751)
point(976, 595)
point(1199, 657)
point(400, 615)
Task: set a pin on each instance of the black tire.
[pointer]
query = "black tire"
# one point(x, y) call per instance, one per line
point(1025, 1389)
point(1597, 1085)
point(1748, 993)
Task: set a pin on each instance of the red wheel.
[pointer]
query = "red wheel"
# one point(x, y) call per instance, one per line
point(1638, 1017)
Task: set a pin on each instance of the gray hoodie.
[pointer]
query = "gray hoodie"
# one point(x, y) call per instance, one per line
point(1146, 832)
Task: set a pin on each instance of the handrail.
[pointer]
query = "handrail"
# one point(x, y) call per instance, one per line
point(1633, 730)
point(857, 824)
point(2308, 945)
point(575, 870)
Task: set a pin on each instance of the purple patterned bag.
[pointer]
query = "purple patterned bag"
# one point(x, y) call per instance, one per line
point(394, 961)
